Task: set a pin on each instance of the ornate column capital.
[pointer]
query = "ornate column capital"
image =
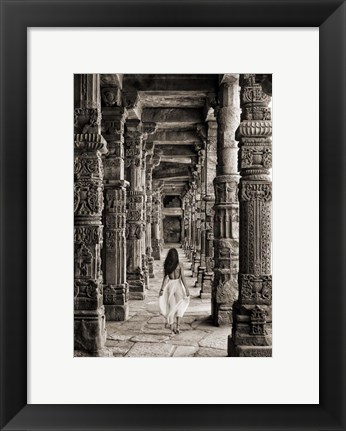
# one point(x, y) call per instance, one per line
point(255, 130)
point(229, 78)
point(132, 102)
point(111, 96)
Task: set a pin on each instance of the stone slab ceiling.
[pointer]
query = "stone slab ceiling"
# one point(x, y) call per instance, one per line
point(178, 104)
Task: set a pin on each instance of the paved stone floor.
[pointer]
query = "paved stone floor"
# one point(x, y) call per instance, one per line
point(144, 334)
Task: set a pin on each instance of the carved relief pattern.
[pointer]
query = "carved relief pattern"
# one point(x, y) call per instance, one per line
point(133, 153)
point(86, 289)
point(255, 290)
point(251, 91)
point(111, 96)
point(258, 322)
point(135, 201)
point(87, 271)
point(88, 234)
point(258, 113)
point(88, 206)
point(244, 238)
point(250, 237)
point(255, 128)
point(266, 238)
point(88, 198)
point(255, 191)
point(87, 120)
point(226, 190)
point(255, 157)
point(111, 240)
point(115, 295)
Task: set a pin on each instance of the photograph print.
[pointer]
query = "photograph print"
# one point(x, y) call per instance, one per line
point(172, 215)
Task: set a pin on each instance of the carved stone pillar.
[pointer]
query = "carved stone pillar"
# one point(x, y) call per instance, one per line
point(184, 208)
point(148, 148)
point(226, 226)
point(153, 160)
point(89, 316)
point(155, 238)
point(193, 220)
point(200, 219)
point(149, 210)
point(209, 201)
point(182, 228)
point(156, 230)
point(252, 327)
point(135, 205)
point(115, 290)
point(145, 262)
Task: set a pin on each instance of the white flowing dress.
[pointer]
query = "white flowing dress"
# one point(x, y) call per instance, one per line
point(174, 301)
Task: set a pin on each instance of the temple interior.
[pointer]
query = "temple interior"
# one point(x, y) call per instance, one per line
point(164, 161)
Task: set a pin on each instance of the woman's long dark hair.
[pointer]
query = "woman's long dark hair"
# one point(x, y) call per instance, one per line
point(171, 261)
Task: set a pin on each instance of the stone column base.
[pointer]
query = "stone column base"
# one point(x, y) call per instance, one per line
point(115, 300)
point(222, 315)
point(137, 296)
point(146, 278)
point(196, 264)
point(200, 273)
point(151, 267)
point(136, 285)
point(89, 329)
point(117, 313)
point(207, 284)
point(136, 290)
point(248, 351)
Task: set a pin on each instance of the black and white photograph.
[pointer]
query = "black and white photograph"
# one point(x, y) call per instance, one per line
point(172, 215)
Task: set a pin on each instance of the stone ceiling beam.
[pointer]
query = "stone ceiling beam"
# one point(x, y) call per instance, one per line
point(171, 82)
point(177, 150)
point(178, 126)
point(170, 177)
point(176, 159)
point(173, 115)
point(173, 99)
point(171, 137)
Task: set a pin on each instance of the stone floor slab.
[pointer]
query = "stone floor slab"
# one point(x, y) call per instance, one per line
point(150, 338)
point(140, 318)
point(188, 338)
point(157, 319)
point(120, 348)
point(143, 350)
point(216, 339)
point(205, 352)
point(156, 331)
point(185, 351)
point(119, 337)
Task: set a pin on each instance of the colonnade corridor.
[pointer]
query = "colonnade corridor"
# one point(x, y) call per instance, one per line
point(144, 334)
point(172, 158)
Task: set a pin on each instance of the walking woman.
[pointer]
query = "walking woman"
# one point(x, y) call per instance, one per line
point(174, 294)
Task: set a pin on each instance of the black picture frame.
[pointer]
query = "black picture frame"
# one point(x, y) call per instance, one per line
point(329, 16)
